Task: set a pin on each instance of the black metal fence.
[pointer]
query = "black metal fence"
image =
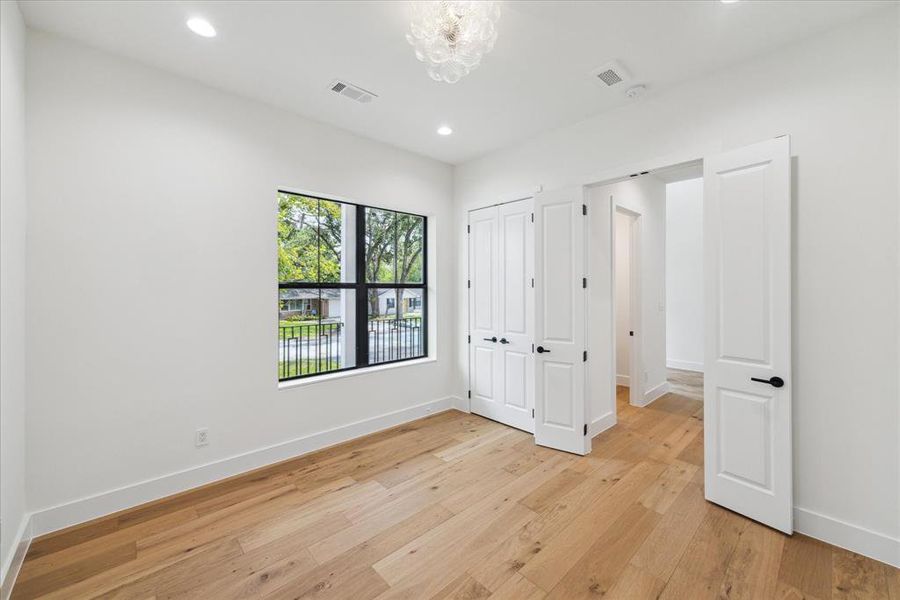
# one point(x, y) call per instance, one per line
point(308, 348)
point(395, 339)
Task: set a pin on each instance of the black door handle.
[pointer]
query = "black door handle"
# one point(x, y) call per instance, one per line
point(491, 339)
point(774, 381)
point(504, 341)
point(541, 350)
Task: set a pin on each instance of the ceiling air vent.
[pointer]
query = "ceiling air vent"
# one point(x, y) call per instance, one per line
point(610, 74)
point(354, 92)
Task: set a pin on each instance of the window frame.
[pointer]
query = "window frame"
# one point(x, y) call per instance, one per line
point(361, 288)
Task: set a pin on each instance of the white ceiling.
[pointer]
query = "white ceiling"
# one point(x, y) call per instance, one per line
point(536, 79)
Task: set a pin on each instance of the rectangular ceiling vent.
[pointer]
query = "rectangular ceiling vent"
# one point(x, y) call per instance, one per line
point(354, 92)
point(610, 74)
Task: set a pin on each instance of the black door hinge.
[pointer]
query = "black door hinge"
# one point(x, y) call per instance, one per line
point(468, 229)
point(532, 413)
point(585, 429)
point(470, 393)
point(532, 282)
point(532, 217)
point(631, 333)
point(584, 282)
point(532, 348)
point(584, 209)
point(585, 356)
point(468, 283)
point(469, 341)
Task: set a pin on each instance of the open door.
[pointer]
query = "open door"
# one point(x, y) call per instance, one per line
point(559, 265)
point(747, 381)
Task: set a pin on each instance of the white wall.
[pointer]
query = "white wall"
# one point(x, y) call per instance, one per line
point(12, 281)
point(623, 297)
point(684, 274)
point(152, 279)
point(845, 291)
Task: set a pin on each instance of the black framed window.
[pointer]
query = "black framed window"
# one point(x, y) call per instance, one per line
point(352, 286)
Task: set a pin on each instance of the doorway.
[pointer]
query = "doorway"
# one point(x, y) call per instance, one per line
point(627, 302)
point(657, 282)
point(744, 309)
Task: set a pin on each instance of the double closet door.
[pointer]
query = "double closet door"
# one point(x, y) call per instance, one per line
point(501, 313)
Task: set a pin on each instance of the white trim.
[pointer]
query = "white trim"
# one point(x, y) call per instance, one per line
point(684, 365)
point(601, 424)
point(459, 403)
point(857, 539)
point(14, 562)
point(623, 380)
point(622, 172)
point(304, 381)
point(655, 393)
point(84, 509)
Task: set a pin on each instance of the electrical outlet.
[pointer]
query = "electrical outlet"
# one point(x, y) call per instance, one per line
point(201, 437)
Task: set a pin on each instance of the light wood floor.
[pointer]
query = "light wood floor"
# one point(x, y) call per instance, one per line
point(456, 506)
point(686, 383)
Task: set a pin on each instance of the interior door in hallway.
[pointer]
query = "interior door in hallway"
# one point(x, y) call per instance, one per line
point(501, 299)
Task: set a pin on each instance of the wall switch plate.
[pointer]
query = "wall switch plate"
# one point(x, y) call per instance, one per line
point(201, 437)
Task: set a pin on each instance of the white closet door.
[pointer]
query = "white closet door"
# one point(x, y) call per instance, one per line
point(516, 314)
point(501, 314)
point(485, 381)
point(747, 387)
point(559, 226)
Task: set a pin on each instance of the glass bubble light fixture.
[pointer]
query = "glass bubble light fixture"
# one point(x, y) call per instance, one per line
point(451, 37)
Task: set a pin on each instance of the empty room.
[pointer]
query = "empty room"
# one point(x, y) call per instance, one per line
point(450, 300)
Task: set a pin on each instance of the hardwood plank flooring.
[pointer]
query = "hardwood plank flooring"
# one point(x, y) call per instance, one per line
point(456, 506)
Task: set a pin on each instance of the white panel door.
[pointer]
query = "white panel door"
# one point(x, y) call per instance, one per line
point(559, 244)
point(501, 313)
point(485, 381)
point(747, 381)
point(516, 243)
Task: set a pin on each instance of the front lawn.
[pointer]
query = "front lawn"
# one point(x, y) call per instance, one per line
point(304, 329)
point(306, 367)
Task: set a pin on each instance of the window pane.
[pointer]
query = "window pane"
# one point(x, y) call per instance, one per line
point(395, 324)
point(381, 245)
point(316, 332)
point(337, 224)
point(298, 248)
point(410, 243)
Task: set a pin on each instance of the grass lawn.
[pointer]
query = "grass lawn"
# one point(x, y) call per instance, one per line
point(306, 367)
point(302, 329)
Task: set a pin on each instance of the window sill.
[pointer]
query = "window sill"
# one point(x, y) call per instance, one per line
point(295, 383)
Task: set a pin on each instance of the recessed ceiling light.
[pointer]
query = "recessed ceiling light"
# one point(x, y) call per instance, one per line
point(444, 130)
point(728, 1)
point(201, 27)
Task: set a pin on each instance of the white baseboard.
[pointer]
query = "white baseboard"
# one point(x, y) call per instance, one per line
point(601, 424)
point(84, 509)
point(655, 392)
point(460, 404)
point(623, 380)
point(14, 561)
point(846, 535)
point(684, 365)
